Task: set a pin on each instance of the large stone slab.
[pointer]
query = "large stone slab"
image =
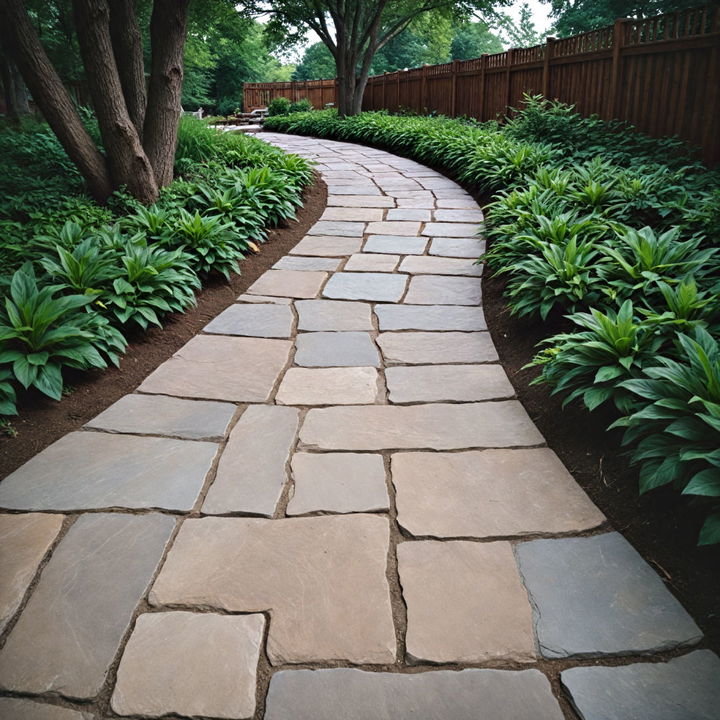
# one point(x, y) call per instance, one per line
point(361, 214)
point(24, 540)
point(299, 262)
point(190, 664)
point(438, 426)
point(338, 483)
point(162, 415)
point(272, 321)
point(419, 348)
point(443, 290)
point(321, 578)
point(70, 630)
point(88, 470)
point(436, 695)
point(450, 229)
point(493, 493)
point(686, 687)
point(412, 214)
point(245, 298)
point(370, 201)
point(21, 709)
point(450, 383)
point(378, 287)
point(596, 596)
point(288, 283)
point(338, 228)
point(435, 265)
point(430, 317)
point(459, 215)
point(336, 349)
point(333, 315)
point(327, 246)
point(465, 602)
point(394, 244)
point(221, 368)
point(330, 386)
point(393, 228)
point(252, 473)
point(372, 262)
point(470, 247)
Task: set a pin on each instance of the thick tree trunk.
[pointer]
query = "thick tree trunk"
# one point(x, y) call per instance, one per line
point(167, 34)
point(128, 49)
point(129, 165)
point(51, 96)
point(8, 83)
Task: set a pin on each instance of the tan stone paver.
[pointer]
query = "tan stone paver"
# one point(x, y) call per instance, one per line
point(424, 348)
point(371, 262)
point(329, 246)
point(329, 386)
point(333, 315)
point(289, 283)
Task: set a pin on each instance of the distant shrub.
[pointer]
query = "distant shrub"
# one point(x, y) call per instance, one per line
point(279, 106)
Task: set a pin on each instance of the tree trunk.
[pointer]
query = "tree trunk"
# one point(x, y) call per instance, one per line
point(167, 34)
point(22, 107)
point(129, 165)
point(8, 83)
point(128, 50)
point(21, 38)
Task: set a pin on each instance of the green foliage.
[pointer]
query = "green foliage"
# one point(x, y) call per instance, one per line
point(300, 106)
point(279, 106)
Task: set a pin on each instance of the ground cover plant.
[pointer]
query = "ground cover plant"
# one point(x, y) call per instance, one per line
point(79, 278)
point(609, 238)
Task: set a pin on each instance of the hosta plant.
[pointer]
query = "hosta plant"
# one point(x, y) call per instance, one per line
point(675, 430)
point(86, 269)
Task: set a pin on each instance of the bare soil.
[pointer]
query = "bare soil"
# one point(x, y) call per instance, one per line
point(42, 421)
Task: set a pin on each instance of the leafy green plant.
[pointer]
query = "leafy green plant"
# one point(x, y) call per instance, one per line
point(299, 106)
point(86, 269)
point(279, 106)
point(675, 430)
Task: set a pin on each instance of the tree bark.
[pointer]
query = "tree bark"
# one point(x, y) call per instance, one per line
point(128, 50)
point(8, 83)
point(129, 165)
point(167, 34)
point(21, 38)
point(22, 107)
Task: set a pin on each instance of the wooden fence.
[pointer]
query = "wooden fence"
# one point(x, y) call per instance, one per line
point(661, 74)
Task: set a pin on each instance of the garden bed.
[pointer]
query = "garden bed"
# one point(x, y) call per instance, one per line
point(42, 420)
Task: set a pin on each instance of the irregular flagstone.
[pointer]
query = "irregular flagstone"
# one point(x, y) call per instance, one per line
point(221, 368)
point(354, 189)
point(425, 202)
point(190, 664)
point(459, 383)
point(162, 415)
point(362, 214)
point(338, 228)
point(416, 214)
point(333, 315)
point(430, 317)
point(321, 578)
point(393, 228)
point(252, 473)
point(418, 348)
point(494, 493)
point(330, 246)
point(338, 483)
point(371, 201)
point(24, 540)
point(21, 709)
point(378, 287)
point(470, 247)
point(457, 202)
point(87, 470)
point(686, 687)
point(465, 602)
point(298, 262)
point(451, 229)
point(438, 695)
point(438, 182)
point(437, 426)
point(330, 386)
point(435, 265)
point(336, 349)
point(271, 321)
point(395, 244)
point(288, 283)
point(264, 299)
point(596, 596)
point(459, 215)
point(70, 630)
point(443, 290)
point(368, 262)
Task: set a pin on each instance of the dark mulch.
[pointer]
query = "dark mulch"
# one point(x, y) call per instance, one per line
point(42, 421)
point(659, 525)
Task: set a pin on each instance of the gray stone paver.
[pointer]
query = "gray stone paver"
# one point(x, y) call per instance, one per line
point(68, 634)
point(303, 567)
point(596, 596)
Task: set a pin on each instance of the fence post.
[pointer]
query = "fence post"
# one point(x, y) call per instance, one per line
point(483, 65)
point(305, 88)
point(549, 47)
point(618, 40)
point(508, 85)
point(397, 77)
point(423, 90)
point(453, 101)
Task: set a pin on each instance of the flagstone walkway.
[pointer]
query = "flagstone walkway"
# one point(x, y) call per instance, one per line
point(329, 505)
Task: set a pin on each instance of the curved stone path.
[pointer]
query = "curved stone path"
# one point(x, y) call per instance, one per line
point(330, 505)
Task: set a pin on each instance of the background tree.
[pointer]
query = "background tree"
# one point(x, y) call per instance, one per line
point(473, 39)
point(317, 63)
point(520, 33)
point(355, 30)
point(578, 16)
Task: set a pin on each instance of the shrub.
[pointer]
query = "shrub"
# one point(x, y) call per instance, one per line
point(299, 106)
point(279, 106)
